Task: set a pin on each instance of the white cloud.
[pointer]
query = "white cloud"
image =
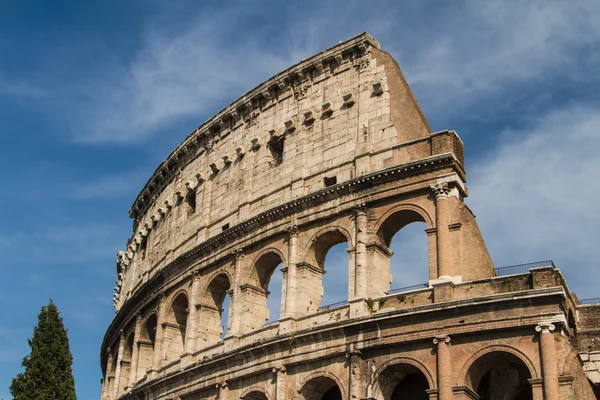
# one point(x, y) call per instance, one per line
point(536, 197)
point(176, 75)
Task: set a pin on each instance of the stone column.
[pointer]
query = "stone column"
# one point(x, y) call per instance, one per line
point(158, 338)
point(135, 353)
point(222, 391)
point(116, 386)
point(362, 237)
point(234, 318)
point(441, 192)
point(107, 378)
point(192, 325)
point(444, 367)
point(291, 292)
point(549, 361)
point(280, 383)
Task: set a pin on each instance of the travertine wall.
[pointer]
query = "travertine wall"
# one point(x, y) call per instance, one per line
point(333, 150)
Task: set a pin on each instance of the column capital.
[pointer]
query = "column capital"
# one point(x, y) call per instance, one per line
point(361, 209)
point(545, 327)
point(293, 230)
point(138, 315)
point(238, 254)
point(195, 273)
point(442, 339)
point(162, 296)
point(440, 190)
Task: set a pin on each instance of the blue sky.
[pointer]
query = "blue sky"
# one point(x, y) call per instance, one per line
point(94, 94)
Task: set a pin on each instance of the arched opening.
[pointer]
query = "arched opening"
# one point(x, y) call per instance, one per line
point(321, 388)
point(403, 252)
point(263, 298)
point(325, 272)
point(214, 309)
point(255, 395)
point(126, 362)
point(146, 345)
point(500, 375)
point(403, 382)
point(176, 326)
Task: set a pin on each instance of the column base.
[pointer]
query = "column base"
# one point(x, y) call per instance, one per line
point(446, 278)
point(359, 308)
point(287, 325)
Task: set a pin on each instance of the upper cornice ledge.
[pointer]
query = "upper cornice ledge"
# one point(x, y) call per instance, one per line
point(222, 123)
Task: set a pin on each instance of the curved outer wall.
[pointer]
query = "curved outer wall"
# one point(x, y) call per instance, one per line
point(334, 149)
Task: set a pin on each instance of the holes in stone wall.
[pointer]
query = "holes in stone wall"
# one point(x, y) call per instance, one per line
point(190, 201)
point(330, 180)
point(276, 146)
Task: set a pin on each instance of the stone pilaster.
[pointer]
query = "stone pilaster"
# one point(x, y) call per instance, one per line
point(444, 367)
point(441, 192)
point(234, 318)
point(117, 384)
point(106, 384)
point(223, 391)
point(549, 361)
point(192, 326)
point(362, 237)
point(280, 383)
point(291, 292)
point(135, 353)
point(158, 338)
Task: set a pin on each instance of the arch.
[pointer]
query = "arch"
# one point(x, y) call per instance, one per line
point(312, 270)
point(255, 393)
point(398, 217)
point(264, 267)
point(146, 343)
point(174, 332)
point(211, 307)
point(416, 364)
point(462, 376)
point(499, 371)
point(319, 386)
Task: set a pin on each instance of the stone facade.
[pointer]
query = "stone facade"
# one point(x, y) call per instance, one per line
point(333, 150)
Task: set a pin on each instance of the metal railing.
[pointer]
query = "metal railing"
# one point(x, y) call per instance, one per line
point(409, 288)
point(523, 268)
point(334, 305)
point(594, 300)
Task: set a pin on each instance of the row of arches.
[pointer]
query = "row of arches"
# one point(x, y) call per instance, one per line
point(493, 375)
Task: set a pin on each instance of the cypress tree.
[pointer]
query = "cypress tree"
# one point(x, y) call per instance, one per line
point(48, 374)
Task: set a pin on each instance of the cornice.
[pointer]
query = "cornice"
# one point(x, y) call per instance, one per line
point(244, 110)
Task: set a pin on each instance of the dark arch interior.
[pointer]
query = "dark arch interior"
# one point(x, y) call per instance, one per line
point(321, 388)
point(265, 266)
point(500, 375)
point(150, 326)
point(180, 313)
point(412, 387)
point(255, 396)
point(322, 245)
point(217, 299)
point(403, 382)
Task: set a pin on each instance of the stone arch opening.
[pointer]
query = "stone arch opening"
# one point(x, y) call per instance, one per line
point(321, 388)
point(500, 374)
point(262, 305)
point(403, 381)
point(255, 395)
point(325, 272)
point(401, 253)
point(214, 309)
point(176, 326)
point(146, 345)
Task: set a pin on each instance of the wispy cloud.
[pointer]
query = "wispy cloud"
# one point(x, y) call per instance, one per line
point(174, 75)
point(112, 185)
point(535, 197)
point(16, 88)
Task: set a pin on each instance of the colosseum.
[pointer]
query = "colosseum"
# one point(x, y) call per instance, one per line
point(333, 150)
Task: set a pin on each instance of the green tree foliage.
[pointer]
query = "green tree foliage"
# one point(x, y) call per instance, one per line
point(48, 374)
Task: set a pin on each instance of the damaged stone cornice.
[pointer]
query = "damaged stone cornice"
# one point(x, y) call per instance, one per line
point(224, 121)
